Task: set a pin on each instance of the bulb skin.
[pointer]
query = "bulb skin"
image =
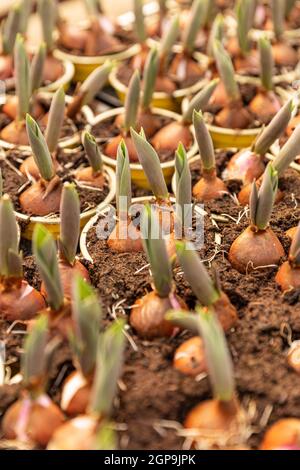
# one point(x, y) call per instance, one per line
point(189, 357)
point(20, 301)
point(283, 433)
point(288, 277)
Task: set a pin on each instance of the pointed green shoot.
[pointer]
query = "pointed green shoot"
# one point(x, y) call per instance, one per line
point(294, 254)
point(216, 33)
point(87, 314)
point(92, 152)
point(149, 78)
point(266, 63)
point(44, 250)
point(226, 71)
point(155, 248)
point(132, 101)
point(106, 438)
point(110, 358)
point(198, 17)
point(95, 82)
point(288, 152)
point(34, 359)
point(26, 9)
point(10, 257)
point(245, 13)
point(151, 165)
point(139, 22)
point(204, 141)
point(37, 67)
point(123, 181)
point(69, 223)
point(40, 150)
point(275, 129)
point(262, 201)
point(199, 101)
point(196, 274)
point(169, 38)
point(11, 28)
point(47, 10)
point(55, 120)
point(183, 188)
point(22, 77)
point(217, 355)
point(184, 320)
point(278, 13)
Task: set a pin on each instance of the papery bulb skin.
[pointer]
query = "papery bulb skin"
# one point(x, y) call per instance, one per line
point(19, 301)
point(284, 55)
point(30, 169)
point(209, 187)
point(146, 120)
point(33, 421)
point(285, 432)
point(164, 84)
point(183, 67)
point(34, 200)
point(248, 64)
point(254, 249)
point(265, 105)
point(67, 273)
point(225, 311)
point(15, 133)
point(72, 37)
point(233, 116)
point(168, 138)
point(244, 194)
point(111, 148)
point(189, 357)
point(245, 165)
point(75, 396)
point(77, 434)
point(90, 178)
point(291, 232)
point(10, 108)
point(6, 67)
point(53, 69)
point(288, 277)
point(125, 238)
point(219, 97)
point(147, 316)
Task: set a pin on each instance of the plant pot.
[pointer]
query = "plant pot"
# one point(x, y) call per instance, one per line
point(28, 223)
point(65, 142)
point(85, 65)
point(100, 213)
point(238, 138)
point(137, 173)
point(160, 99)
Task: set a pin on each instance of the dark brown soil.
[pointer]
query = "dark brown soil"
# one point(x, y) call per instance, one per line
point(13, 181)
point(106, 130)
point(152, 389)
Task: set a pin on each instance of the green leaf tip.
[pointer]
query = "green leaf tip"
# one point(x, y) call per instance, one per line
point(10, 258)
point(123, 180)
point(204, 141)
point(69, 222)
point(262, 201)
point(40, 149)
point(92, 152)
point(226, 71)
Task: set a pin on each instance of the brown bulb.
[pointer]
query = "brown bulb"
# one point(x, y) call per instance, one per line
point(209, 187)
point(248, 63)
point(75, 395)
point(148, 316)
point(234, 116)
point(288, 277)
point(6, 67)
point(125, 238)
point(169, 137)
point(245, 165)
point(38, 420)
point(225, 311)
point(77, 434)
point(20, 301)
point(244, 194)
point(89, 177)
point(36, 201)
point(184, 68)
point(146, 120)
point(291, 232)
point(284, 55)
point(265, 105)
point(189, 357)
point(72, 37)
point(219, 97)
point(253, 249)
point(111, 148)
point(53, 69)
point(15, 133)
point(283, 433)
point(10, 108)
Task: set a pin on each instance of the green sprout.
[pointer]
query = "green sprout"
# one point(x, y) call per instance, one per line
point(149, 78)
point(155, 248)
point(92, 152)
point(123, 181)
point(132, 102)
point(288, 152)
point(26, 9)
point(183, 188)
point(204, 141)
point(22, 77)
point(278, 13)
point(199, 101)
point(10, 29)
point(197, 20)
point(47, 10)
point(44, 250)
point(139, 21)
point(55, 120)
point(69, 223)
point(226, 71)
point(245, 10)
point(87, 313)
point(40, 150)
point(216, 33)
point(37, 67)
point(110, 357)
point(168, 40)
point(262, 201)
point(151, 165)
point(10, 257)
point(266, 63)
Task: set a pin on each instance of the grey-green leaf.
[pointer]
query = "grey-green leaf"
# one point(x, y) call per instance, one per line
point(9, 234)
point(123, 180)
point(204, 141)
point(200, 100)
point(69, 222)
point(55, 120)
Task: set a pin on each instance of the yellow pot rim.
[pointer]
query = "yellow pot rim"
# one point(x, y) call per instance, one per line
point(84, 215)
point(98, 60)
point(159, 111)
